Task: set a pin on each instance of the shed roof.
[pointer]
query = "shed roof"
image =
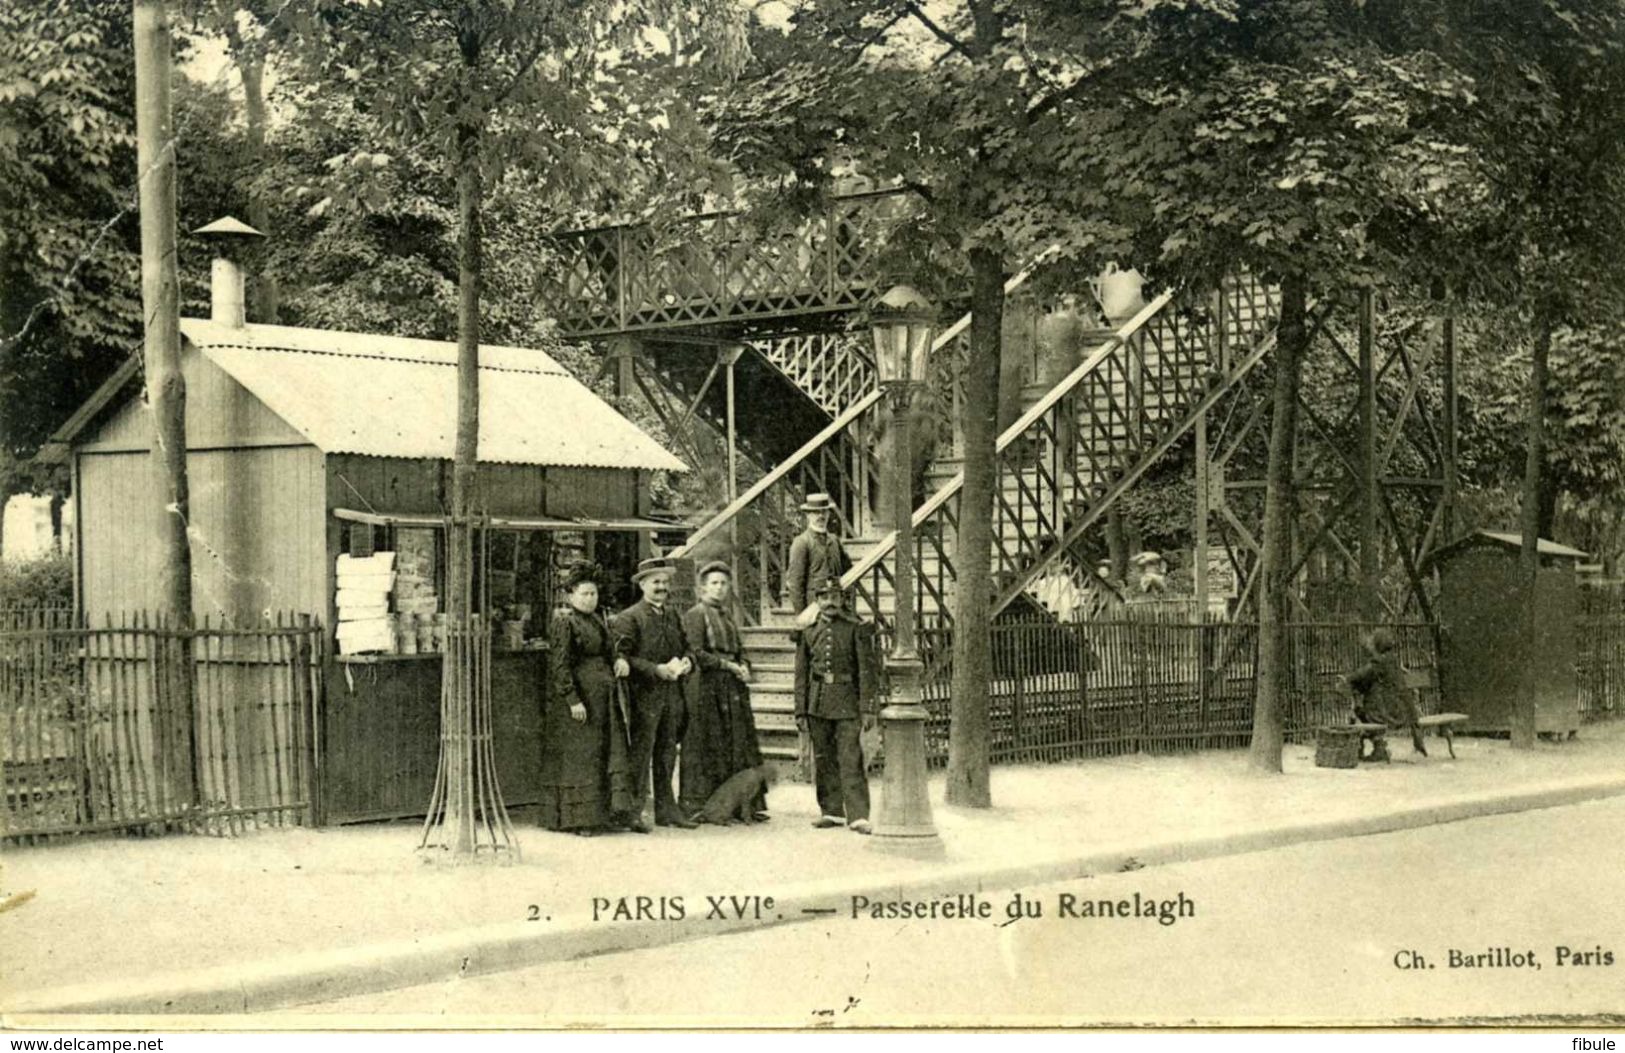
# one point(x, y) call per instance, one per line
point(388, 396)
point(1512, 543)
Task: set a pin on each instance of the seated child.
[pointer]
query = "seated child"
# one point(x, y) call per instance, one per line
point(1382, 695)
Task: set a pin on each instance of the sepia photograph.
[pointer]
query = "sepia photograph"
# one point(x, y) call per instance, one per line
point(801, 515)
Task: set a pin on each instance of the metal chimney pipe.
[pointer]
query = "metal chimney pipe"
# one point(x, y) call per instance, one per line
point(226, 286)
point(226, 293)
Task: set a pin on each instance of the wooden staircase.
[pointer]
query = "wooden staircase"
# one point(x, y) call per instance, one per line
point(1091, 436)
point(769, 646)
point(772, 654)
point(1077, 446)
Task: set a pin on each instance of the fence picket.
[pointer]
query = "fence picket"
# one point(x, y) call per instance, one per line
point(274, 657)
point(93, 734)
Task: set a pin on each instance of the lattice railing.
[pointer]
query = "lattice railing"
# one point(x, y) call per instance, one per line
point(831, 368)
point(1080, 446)
point(720, 267)
point(840, 461)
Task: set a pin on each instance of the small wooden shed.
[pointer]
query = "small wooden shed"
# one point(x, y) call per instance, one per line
point(1482, 599)
point(305, 446)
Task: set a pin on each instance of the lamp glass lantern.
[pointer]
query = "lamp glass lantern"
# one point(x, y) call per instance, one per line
point(904, 323)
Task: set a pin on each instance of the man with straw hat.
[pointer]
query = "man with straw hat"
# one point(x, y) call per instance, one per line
point(816, 555)
point(649, 635)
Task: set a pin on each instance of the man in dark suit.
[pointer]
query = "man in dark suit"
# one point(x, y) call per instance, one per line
point(815, 555)
point(835, 700)
point(649, 635)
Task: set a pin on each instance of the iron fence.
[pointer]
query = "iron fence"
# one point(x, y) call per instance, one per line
point(1601, 665)
point(139, 726)
point(1062, 690)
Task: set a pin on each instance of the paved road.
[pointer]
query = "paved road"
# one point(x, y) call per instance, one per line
point(1357, 931)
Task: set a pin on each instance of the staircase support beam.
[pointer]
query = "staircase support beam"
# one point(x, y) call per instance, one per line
point(1370, 493)
point(727, 357)
point(1448, 501)
point(1199, 531)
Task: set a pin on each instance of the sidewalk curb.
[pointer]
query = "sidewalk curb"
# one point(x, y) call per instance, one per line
point(327, 975)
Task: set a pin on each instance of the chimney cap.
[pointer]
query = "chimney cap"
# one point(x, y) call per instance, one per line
point(228, 228)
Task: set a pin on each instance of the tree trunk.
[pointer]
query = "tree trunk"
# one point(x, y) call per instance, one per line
point(1523, 707)
point(1117, 549)
point(458, 690)
point(166, 387)
point(972, 649)
point(1280, 502)
point(55, 506)
point(1546, 506)
point(466, 454)
point(265, 295)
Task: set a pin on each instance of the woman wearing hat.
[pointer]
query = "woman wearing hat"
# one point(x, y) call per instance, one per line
point(586, 782)
point(721, 736)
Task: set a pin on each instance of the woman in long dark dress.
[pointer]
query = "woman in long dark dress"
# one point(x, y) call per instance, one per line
point(586, 782)
point(720, 738)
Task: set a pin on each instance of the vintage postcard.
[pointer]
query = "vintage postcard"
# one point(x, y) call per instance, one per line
point(811, 514)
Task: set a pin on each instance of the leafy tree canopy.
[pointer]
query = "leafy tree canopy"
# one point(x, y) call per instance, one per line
point(68, 270)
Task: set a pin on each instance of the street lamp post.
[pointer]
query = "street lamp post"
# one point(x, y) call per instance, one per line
point(903, 323)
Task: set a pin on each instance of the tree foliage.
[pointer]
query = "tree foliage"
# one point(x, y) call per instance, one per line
point(69, 306)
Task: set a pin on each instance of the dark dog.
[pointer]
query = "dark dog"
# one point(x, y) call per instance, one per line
point(735, 800)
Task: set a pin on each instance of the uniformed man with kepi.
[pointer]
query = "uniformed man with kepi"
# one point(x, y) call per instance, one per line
point(835, 701)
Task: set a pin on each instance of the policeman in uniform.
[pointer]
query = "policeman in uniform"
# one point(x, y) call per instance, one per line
point(835, 699)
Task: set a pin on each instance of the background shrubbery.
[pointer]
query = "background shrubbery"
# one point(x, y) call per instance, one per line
point(43, 582)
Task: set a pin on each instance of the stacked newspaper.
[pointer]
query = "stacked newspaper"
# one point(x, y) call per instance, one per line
point(364, 585)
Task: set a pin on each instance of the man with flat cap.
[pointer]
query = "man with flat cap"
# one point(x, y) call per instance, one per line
point(720, 739)
point(815, 555)
point(835, 701)
point(649, 635)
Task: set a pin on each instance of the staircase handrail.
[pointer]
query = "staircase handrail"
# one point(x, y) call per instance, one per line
point(838, 425)
point(1239, 366)
point(1059, 391)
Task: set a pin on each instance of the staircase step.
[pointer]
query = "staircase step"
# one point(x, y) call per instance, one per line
point(780, 678)
point(769, 667)
point(781, 703)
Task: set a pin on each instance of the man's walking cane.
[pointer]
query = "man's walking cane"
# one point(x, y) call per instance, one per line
point(624, 704)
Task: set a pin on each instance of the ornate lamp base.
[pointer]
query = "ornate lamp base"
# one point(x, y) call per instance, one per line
point(903, 822)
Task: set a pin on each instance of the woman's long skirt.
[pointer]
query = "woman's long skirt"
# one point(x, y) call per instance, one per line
point(720, 739)
point(586, 777)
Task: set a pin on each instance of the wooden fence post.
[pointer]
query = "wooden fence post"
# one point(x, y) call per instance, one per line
point(307, 674)
point(1018, 703)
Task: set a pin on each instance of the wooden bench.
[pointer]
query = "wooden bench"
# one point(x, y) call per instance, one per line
point(1444, 723)
point(1415, 680)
